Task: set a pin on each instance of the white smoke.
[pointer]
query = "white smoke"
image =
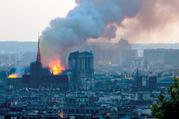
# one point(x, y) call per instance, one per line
point(89, 19)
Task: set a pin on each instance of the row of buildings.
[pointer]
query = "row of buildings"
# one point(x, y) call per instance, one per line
point(81, 92)
point(81, 69)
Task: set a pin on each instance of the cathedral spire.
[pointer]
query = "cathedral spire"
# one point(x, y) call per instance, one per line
point(38, 52)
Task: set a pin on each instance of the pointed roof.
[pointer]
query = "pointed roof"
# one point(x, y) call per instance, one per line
point(38, 52)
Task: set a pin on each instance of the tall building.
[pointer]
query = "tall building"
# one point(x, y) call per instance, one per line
point(81, 65)
point(163, 56)
point(138, 81)
point(145, 82)
point(127, 55)
point(152, 83)
point(36, 67)
point(41, 76)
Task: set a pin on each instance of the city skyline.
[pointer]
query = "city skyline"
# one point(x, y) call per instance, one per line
point(94, 59)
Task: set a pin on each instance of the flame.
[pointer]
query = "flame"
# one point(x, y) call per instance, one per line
point(13, 76)
point(56, 67)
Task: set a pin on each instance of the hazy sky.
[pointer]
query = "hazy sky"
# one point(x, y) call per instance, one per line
point(22, 19)
point(156, 22)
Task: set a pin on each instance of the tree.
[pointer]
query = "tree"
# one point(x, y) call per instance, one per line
point(168, 108)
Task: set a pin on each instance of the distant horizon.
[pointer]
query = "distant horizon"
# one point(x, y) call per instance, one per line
point(32, 41)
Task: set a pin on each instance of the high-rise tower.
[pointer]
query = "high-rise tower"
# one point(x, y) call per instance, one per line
point(81, 65)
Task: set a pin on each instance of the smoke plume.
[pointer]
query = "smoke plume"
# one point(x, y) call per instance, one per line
point(156, 22)
point(90, 19)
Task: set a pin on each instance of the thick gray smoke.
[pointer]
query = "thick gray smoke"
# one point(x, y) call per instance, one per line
point(156, 22)
point(90, 19)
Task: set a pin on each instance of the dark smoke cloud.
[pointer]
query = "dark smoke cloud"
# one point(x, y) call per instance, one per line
point(110, 32)
point(91, 19)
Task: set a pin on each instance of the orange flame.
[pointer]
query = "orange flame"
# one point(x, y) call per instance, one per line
point(13, 76)
point(56, 67)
